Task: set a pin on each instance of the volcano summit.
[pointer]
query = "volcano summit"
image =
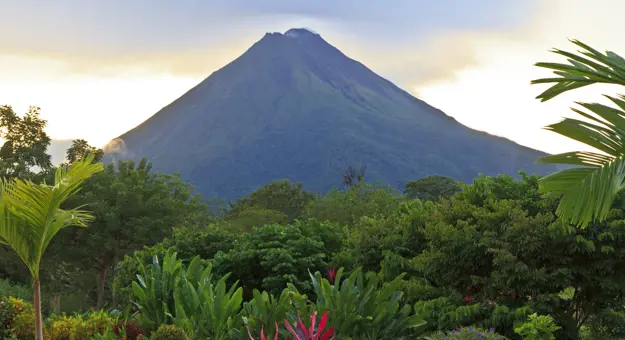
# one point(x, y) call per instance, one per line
point(293, 106)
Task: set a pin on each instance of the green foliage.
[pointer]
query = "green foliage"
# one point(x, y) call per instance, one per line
point(169, 332)
point(127, 270)
point(432, 188)
point(588, 191)
point(133, 208)
point(281, 196)
point(362, 306)
point(107, 335)
point(15, 290)
point(468, 333)
point(31, 216)
point(246, 218)
point(80, 148)
point(66, 328)
point(206, 310)
point(154, 290)
point(446, 312)
point(25, 143)
point(349, 206)
point(538, 328)
point(23, 323)
point(371, 239)
point(187, 297)
point(500, 255)
point(608, 324)
point(275, 255)
point(265, 310)
point(6, 317)
point(204, 242)
point(98, 322)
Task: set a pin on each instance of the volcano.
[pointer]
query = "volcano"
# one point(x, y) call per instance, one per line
point(294, 107)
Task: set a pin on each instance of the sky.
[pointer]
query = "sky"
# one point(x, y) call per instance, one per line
point(99, 68)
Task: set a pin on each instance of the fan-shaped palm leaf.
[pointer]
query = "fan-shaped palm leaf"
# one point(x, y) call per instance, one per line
point(588, 192)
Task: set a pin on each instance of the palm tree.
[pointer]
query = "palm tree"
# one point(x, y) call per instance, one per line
point(588, 191)
point(30, 216)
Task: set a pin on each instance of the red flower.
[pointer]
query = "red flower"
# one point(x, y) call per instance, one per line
point(302, 333)
point(331, 275)
point(468, 299)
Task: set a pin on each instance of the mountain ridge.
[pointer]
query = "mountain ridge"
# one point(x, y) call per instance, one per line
point(288, 92)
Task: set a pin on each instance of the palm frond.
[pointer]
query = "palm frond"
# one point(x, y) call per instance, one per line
point(32, 214)
point(587, 67)
point(586, 193)
point(15, 233)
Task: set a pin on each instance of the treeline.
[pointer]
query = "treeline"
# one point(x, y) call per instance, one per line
point(489, 253)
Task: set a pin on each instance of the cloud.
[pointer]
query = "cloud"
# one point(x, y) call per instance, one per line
point(192, 37)
point(112, 64)
point(493, 93)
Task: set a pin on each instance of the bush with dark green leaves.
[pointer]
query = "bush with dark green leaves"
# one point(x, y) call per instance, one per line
point(126, 272)
point(361, 306)
point(274, 255)
point(204, 242)
point(501, 254)
point(8, 288)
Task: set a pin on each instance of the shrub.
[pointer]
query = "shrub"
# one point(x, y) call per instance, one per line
point(15, 290)
point(468, 333)
point(126, 272)
point(363, 306)
point(99, 322)
point(23, 325)
point(168, 332)
point(6, 317)
point(275, 255)
point(79, 327)
point(538, 328)
point(64, 327)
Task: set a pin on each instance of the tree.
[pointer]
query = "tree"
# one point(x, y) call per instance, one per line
point(589, 190)
point(31, 215)
point(25, 143)
point(347, 206)
point(275, 255)
point(133, 208)
point(500, 246)
point(80, 148)
point(353, 176)
point(282, 196)
point(432, 188)
point(246, 219)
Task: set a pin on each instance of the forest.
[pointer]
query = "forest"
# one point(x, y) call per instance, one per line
point(118, 251)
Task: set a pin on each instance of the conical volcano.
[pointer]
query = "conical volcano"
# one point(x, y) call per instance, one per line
point(295, 107)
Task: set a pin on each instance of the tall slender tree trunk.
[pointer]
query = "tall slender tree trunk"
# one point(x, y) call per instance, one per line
point(37, 305)
point(101, 281)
